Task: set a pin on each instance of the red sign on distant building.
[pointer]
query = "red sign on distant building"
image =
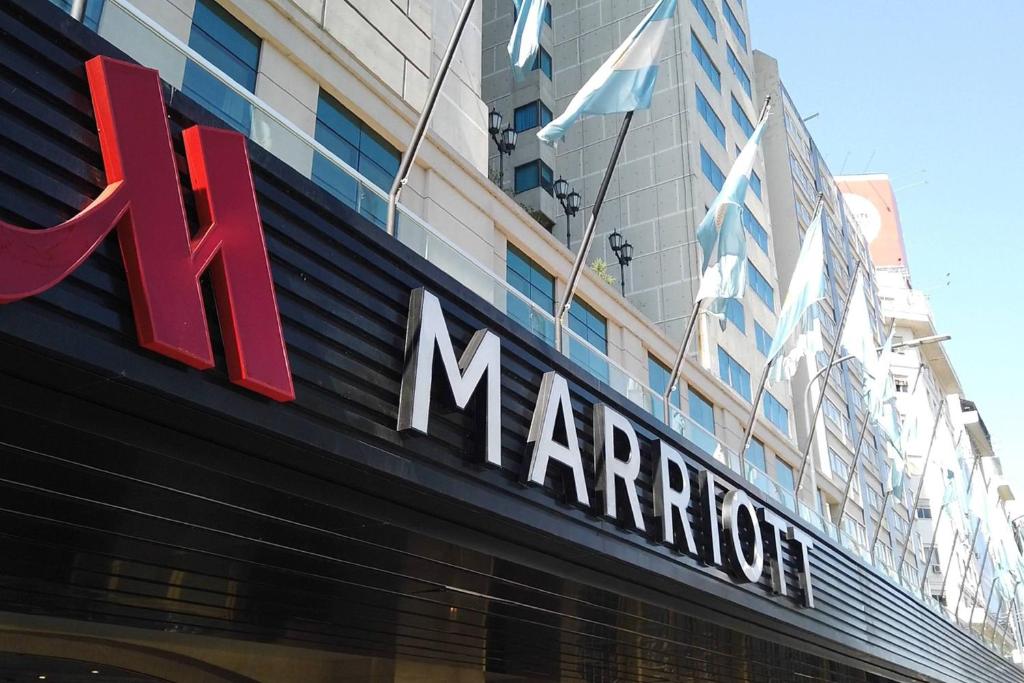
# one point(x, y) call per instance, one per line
point(143, 202)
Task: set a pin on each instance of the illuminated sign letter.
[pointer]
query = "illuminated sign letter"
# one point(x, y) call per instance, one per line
point(776, 526)
point(425, 332)
point(709, 518)
point(806, 543)
point(669, 500)
point(734, 503)
point(552, 403)
point(162, 260)
point(606, 423)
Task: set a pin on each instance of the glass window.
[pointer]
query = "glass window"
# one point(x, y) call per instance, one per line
point(924, 512)
point(740, 117)
point(547, 13)
point(592, 327)
point(734, 24)
point(738, 71)
point(760, 286)
point(530, 280)
point(776, 413)
point(543, 62)
point(93, 10)
point(755, 229)
point(734, 313)
point(657, 377)
point(705, 61)
point(762, 338)
point(711, 170)
point(755, 183)
point(531, 115)
point(840, 470)
point(707, 18)
point(232, 48)
point(733, 374)
point(755, 455)
point(784, 475)
point(702, 411)
point(534, 174)
point(707, 113)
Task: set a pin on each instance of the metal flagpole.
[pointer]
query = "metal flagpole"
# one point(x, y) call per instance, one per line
point(824, 385)
point(970, 552)
point(920, 487)
point(428, 108)
point(878, 527)
point(77, 10)
point(949, 565)
point(853, 466)
point(588, 236)
point(981, 574)
point(931, 545)
point(988, 606)
point(1006, 629)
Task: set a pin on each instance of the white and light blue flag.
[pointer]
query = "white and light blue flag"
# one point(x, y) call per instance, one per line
point(625, 82)
point(805, 289)
point(524, 42)
point(721, 232)
point(880, 387)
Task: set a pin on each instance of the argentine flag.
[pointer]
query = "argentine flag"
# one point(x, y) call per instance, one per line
point(525, 39)
point(805, 289)
point(625, 81)
point(723, 227)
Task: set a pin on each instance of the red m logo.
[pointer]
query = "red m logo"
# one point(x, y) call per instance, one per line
point(163, 261)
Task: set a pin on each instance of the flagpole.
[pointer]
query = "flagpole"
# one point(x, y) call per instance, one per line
point(931, 544)
point(981, 573)
point(1006, 629)
point(949, 565)
point(588, 236)
point(824, 386)
point(691, 325)
point(970, 552)
point(878, 527)
point(920, 484)
point(853, 466)
point(988, 605)
point(428, 109)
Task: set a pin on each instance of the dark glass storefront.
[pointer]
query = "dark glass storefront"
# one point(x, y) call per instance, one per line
point(160, 522)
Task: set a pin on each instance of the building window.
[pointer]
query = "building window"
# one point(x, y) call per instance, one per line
point(532, 115)
point(530, 280)
point(840, 470)
point(733, 374)
point(902, 385)
point(739, 71)
point(871, 497)
point(784, 475)
point(762, 338)
point(709, 19)
point(755, 229)
point(924, 511)
point(760, 286)
point(543, 62)
point(657, 377)
point(734, 313)
point(705, 61)
point(232, 48)
point(734, 24)
point(591, 327)
point(755, 456)
point(547, 14)
point(711, 170)
point(534, 174)
point(755, 183)
point(341, 131)
point(707, 113)
point(740, 117)
point(702, 411)
point(776, 413)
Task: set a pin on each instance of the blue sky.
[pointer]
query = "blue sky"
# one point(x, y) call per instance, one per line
point(930, 93)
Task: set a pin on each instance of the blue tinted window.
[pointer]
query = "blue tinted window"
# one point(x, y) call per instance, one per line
point(657, 377)
point(737, 69)
point(530, 280)
point(734, 313)
point(231, 47)
point(341, 131)
point(755, 183)
point(702, 411)
point(547, 14)
point(762, 338)
point(740, 117)
point(755, 229)
point(734, 24)
point(531, 115)
point(784, 476)
point(760, 286)
point(776, 413)
point(710, 169)
point(592, 328)
point(733, 374)
point(706, 17)
point(543, 62)
point(710, 117)
point(705, 61)
point(755, 455)
point(533, 174)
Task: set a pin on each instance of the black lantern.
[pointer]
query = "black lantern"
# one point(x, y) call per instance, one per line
point(504, 139)
point(623, 253)
point(570, 201)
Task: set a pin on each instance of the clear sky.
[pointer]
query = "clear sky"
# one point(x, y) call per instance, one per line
point(930, 93)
